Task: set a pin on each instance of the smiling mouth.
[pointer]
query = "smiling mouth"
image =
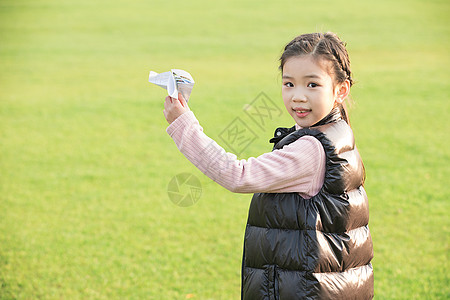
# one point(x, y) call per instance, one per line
point(301, 113)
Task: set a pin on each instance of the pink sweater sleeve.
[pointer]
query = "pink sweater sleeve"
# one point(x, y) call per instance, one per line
point(297, 167)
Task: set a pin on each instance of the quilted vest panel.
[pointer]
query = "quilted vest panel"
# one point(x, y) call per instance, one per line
point(318, 248)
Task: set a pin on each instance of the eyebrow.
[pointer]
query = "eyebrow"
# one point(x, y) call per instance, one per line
point(306, 76)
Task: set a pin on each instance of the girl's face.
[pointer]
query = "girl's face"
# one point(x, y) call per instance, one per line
point(308, 90)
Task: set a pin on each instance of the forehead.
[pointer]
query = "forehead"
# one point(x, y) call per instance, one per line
point(305, 65)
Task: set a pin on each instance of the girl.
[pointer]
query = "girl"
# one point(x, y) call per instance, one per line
point(307, 234)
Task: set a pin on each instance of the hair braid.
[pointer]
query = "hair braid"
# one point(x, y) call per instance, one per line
point(321, 45)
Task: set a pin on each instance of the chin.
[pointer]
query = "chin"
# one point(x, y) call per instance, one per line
point(302, 123)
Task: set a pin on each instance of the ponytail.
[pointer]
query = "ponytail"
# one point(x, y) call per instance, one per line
point(343, 109)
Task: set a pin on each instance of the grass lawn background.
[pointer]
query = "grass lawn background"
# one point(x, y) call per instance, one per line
point(85, 160)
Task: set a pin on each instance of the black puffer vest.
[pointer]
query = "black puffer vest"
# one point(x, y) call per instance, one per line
point(318, 248)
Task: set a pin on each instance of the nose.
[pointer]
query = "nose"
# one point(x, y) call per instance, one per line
point(299, 96)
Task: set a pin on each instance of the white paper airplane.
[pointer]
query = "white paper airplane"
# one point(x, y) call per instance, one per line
point(174, 81)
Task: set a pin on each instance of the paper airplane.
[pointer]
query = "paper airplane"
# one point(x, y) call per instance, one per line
point(174, 81)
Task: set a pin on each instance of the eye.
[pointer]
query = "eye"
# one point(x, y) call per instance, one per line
point(289, 84)
point(312, 85)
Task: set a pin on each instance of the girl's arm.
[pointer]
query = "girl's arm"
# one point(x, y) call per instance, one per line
point(298, 167)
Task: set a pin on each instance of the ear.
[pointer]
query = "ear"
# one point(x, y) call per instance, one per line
point(341, 91)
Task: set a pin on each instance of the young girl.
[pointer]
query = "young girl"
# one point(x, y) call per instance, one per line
point(307, 234)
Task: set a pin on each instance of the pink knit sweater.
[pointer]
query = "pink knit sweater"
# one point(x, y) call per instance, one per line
point(297, 167)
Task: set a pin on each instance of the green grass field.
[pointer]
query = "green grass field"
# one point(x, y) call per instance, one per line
point(85, 160)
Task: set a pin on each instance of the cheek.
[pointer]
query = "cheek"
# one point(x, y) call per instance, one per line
point(286, 92)
point(286, 97)
point(283, 94)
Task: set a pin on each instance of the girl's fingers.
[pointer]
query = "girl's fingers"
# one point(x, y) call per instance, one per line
point(173, 108)
point(182, 100)
point(169, 102)
point(166, 103)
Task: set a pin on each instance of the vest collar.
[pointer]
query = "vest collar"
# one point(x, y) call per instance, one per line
point(333, 116)
point(281, 132)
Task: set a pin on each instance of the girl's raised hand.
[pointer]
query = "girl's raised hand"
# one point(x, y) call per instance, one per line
point(173, 108)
